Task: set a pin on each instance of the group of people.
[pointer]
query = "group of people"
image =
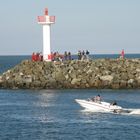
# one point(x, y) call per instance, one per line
point(56, 56)
point(82, 55)
point(37, 57)
point(97, 99)
point(67, 55)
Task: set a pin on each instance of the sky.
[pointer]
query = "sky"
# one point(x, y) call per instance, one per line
point(100, 26)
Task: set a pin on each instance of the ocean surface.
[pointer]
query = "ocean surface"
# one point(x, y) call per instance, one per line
point(54, 114)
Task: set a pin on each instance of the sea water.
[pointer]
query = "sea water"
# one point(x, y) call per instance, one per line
point(54, 114)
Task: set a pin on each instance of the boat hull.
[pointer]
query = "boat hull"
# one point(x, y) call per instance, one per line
point(94, 106)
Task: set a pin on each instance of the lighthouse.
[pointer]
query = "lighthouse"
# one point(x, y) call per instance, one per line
point(46, 22)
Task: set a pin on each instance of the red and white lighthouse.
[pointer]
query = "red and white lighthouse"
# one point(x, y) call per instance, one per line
point(46, 22)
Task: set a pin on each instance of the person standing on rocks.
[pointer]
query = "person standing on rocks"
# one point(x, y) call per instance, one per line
point(33, 56)
point(65, 55)
point(87, 54)
point(69, 55)
point(83, 55)
point(79, 55)
point(122, 54)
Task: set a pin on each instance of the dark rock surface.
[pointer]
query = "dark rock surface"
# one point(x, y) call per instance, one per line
point(99, 73)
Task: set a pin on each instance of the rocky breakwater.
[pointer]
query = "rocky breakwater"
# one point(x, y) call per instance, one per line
point(99, 73)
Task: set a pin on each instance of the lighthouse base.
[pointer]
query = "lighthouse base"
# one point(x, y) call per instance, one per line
point(47, 57)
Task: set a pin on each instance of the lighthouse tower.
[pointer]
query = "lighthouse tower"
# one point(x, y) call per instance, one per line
point(46, 22)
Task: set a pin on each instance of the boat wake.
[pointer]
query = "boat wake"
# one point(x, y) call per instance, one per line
point(132, 111)
point(124, 111)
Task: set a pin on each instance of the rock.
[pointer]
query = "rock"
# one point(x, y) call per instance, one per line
point(7, 77)
point(130, 76)
point(106, 84)
point(115, 86)
point(73, 75)
point(75, 66)
point(75, 81)
point(91, 82)
point(98, 83)
point(107, 78)
point(123, 84)
point(67, 76)
point(51, 81)
point(21, 74)
point(89, 71)
point(57, 62)
point(1, 81)
point(138, 70)
point(130, 81)
point(124, 76)
point(59, 76)
point(83, 81)
point(36, 84)
point(138, 80)
point(27, 79)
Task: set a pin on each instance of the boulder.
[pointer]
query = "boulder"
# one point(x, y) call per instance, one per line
point(59, 76)
point(98, 83)
point(1, 81)
point(130, 81)
point(27, 79)
point(138, 80)
point(123, 84)
point(138, 70)
point(75, 81)
point(72, 75)
point(107, 78)
point(115, 86)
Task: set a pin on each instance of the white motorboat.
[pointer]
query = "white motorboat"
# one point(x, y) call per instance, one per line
point(99, 106)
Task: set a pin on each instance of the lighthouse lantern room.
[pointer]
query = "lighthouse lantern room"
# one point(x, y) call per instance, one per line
point(46, 22)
